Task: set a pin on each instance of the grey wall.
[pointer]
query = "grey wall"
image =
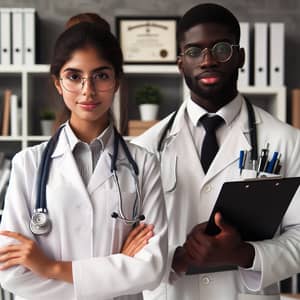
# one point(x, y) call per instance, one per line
point(53, 13)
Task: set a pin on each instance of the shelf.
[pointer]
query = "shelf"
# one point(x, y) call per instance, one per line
point(151, 69)
point(30, 82)
point(24, 68)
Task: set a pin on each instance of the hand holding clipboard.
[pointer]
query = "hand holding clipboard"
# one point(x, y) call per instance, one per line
point(255, 207)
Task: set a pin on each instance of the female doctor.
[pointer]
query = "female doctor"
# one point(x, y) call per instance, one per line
point(78, 257)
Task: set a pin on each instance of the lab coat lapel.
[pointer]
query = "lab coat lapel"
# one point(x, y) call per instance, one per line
point(186, 150)
point(64, 162)
point(101, 173)
point(102, 170)
point(229, 151)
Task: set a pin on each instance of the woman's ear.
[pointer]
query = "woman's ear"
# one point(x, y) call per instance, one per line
point(57, 84)
point(117, 85)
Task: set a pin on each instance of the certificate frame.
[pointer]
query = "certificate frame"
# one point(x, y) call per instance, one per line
point(147, 39)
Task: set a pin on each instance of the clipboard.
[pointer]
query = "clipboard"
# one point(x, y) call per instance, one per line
point(255, 207)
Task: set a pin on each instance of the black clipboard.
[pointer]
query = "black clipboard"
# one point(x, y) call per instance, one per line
point(255, 207)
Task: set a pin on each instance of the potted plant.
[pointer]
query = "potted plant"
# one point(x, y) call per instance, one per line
point(47, 122)
point(148, 98)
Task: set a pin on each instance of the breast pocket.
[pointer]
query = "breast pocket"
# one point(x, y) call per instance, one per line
point(169, 173)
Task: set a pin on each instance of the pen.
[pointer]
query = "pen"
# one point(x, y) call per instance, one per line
point(276, 167)
point(263, 159)
point(243, 156)
point(271, 163)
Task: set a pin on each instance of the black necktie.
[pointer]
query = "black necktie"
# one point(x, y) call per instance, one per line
point(210, 146)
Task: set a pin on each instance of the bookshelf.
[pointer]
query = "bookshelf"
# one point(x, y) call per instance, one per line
point(35, 91)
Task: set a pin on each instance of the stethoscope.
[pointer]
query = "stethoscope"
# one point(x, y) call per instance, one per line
point(40, 223)
point(251, 125)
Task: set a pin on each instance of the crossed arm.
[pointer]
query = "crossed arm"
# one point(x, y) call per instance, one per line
point(28, 254)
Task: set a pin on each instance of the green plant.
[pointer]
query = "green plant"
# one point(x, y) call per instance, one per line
point(148, 94)
point(48, 115)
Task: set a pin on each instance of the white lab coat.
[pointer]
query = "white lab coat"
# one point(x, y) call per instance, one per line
point(190, 196)
point(83, 230)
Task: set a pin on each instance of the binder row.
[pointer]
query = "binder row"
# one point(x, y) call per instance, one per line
point(17, 36)
point(264, 61)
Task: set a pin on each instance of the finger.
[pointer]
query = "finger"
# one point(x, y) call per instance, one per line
point(133, 233)
point(10, 248)
point(219, 220)
point(10, 263)
point(140, 247)
point(144, 232)
point(193, 250)
point(142, 240)
point(136, 245)
point(198, 228)
point(14, 235)
point(9, 255)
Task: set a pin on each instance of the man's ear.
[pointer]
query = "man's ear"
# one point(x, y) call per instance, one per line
point(241, 57)
point(180, 63)
point(57, 85)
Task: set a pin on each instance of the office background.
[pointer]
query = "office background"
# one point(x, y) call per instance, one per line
point(53, 14)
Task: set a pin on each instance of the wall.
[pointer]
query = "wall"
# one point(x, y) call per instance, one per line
point(53, 13)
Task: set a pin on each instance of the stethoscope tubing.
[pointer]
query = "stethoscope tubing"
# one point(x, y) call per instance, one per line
point(251, 125)
point(43, 175)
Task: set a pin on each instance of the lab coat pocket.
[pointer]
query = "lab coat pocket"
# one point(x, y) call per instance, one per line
point(247, 174)
point(257, 297)
point(168, 173)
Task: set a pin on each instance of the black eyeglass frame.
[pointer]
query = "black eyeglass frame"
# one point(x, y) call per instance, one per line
point(211, 50)
point(83, 81)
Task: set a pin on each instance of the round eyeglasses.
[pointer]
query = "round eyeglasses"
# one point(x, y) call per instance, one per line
point(221, 52)
point(101, 81)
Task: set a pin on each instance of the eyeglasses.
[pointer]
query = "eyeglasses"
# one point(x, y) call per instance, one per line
point(221, 51)
point(101, 81)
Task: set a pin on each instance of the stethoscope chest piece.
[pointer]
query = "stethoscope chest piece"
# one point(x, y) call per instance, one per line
point(40, 222)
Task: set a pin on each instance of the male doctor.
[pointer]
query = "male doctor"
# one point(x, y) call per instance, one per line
point(210, 57)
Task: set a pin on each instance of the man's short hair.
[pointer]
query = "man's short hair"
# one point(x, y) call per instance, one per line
point(208, 13)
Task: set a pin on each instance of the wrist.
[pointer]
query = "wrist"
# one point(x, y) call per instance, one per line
point(61, 270)
point(245, 255)
point(53, 270)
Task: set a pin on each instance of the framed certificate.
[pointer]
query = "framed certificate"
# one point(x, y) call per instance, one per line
point(148, 40)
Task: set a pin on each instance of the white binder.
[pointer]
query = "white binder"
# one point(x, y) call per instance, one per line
point(276, 54)
point(5, 31)
point(29, 36)
point(14, 122)
point(17, 36)
point(245, 43)
point(260, 53)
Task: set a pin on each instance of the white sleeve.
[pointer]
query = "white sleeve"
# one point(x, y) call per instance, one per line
point(16, 217)
point(279, 258)
point(118, 274)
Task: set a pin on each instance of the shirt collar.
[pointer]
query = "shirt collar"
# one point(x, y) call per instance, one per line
point(227, 112)
point(73, 140)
